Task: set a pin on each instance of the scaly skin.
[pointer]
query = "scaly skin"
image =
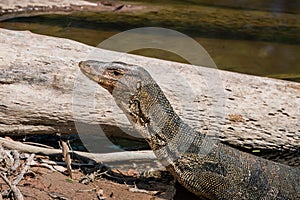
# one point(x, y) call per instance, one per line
point(220, 173)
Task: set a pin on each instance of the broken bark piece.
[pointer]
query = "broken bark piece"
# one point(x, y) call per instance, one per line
point(66, 156)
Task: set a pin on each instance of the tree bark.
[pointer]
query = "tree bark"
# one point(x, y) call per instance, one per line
point(43, 92)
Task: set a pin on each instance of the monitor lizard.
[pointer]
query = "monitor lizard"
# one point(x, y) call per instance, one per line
point(222, 173)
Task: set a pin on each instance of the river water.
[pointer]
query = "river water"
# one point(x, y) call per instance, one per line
point(265, 50)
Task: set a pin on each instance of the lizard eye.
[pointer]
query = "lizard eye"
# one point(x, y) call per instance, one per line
point(116, 73)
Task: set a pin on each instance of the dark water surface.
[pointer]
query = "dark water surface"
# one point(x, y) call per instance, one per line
point(262, 41)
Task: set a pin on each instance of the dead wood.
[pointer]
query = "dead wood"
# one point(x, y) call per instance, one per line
point(11, 160)
point(24, 170)
point(39, 96)
point(16, 158)
point(97, 157)
point(66, 156)
point(16, 192)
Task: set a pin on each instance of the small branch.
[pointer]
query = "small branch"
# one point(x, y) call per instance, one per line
point(137, 190)
point(10, 159)
point(51, 162)
point(24, 170)
point(54, 195)
point(16, 157)
point(3, 169)
point(16, 192)
point(38, 145)
point(89, 190)
point(105, 157)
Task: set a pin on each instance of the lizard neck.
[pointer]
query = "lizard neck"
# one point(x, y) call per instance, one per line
point(152, 115)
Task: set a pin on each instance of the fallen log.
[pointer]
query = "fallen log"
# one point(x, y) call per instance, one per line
point(38, 96)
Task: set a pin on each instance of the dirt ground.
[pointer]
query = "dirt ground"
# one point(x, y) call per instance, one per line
point(43, 183)
point(60, 177)
point(49, 184)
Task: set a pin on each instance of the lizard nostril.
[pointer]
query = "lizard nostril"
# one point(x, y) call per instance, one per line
point(82, 64)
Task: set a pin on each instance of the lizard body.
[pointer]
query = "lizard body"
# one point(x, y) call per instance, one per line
point(221, 173)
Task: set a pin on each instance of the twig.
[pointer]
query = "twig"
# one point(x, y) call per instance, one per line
point(38, 145)
point(2, 153)
point(16, 157)
point(3, 169)
point(107, 157)
point(16, 192)
point(57, 196)
point(10, 159)
point(51, 162)
point(137, 190)
point(24, 170)
point(89, 190)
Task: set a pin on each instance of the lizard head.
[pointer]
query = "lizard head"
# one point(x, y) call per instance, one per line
point(125, 83)
point(105, 74)
point(114, 75)
point(137, 95)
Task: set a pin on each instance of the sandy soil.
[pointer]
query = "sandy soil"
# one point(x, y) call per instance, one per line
point(42, 183)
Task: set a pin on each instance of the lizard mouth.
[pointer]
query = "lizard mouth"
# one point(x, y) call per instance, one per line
point(107, 83)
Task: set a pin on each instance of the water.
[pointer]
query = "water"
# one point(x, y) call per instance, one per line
point(265, 49)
